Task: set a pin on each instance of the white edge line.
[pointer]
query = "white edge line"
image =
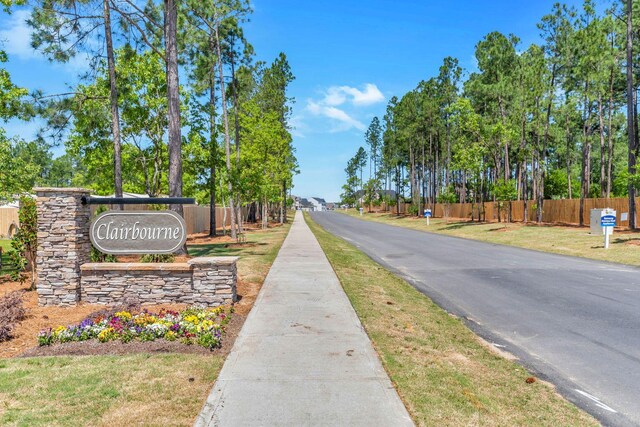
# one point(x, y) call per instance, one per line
point(596, 401)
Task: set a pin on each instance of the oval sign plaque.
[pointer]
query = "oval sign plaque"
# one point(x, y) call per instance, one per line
point(138, 232)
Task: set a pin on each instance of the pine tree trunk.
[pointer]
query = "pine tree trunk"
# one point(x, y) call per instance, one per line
point(173, 99)
point(113, 97)
point(213, 151)
point(631, 117)
point(603, 178)
point(227, 141)
point(586, 156)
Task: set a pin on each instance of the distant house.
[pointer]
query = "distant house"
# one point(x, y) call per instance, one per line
point(310, 205)
point(331, 206)
point(304, 205)
point(318, 203)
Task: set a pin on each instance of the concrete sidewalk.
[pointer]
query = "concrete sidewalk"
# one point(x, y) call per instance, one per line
point(302, 357)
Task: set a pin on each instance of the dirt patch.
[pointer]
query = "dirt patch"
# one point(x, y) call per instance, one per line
point(247, 294)
point(38, 318)
point(632, 242)
point(204, 239)
point(94, 347)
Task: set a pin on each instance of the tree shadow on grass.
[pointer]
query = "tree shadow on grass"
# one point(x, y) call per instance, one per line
point(630, 242)
point(462, 224)
point(214, 249)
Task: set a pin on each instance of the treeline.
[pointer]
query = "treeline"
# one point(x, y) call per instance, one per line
point(549, 121)
point(174, 103)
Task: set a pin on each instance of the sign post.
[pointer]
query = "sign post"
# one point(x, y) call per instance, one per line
point(361, 209)
point(427, 214)
point(607, 222)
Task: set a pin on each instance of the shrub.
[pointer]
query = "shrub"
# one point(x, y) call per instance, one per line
point(158, 258)
point(24, 243)
point(11, 313)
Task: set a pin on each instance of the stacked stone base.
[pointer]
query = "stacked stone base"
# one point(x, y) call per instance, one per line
point(208, 281)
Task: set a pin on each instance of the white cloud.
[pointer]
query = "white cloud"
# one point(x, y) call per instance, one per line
point(338, 95)
point(335, 96)
point(345, 121)
point(16, 37)
point(348, 99)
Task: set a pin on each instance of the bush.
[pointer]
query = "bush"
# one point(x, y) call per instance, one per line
point(158, 258)
point(24, 243)
point(11, 313)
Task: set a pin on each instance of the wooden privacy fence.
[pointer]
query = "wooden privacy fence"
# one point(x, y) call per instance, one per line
point(8, 222)
point(564, 211)
point(196, 217)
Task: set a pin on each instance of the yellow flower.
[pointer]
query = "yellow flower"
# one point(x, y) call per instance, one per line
point(105, 335)
point(192, 319)
point(124, 315)
point(144, 319)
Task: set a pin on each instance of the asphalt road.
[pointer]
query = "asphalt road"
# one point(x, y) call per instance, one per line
point(572, 321)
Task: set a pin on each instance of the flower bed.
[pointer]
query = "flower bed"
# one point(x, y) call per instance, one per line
point(202, 326)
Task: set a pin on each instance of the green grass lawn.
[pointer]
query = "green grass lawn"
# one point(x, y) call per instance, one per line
point(6, 265)
point(256, 255)
point(141, 389)
point(443, 372)
point(576, 241)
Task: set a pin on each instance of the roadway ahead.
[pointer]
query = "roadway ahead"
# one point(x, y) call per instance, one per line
point(575, 322)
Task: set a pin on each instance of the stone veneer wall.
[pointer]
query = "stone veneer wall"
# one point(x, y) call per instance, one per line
point(208, 281)
point(63, 244)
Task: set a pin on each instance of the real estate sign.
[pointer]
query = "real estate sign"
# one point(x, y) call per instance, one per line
point(138, 232)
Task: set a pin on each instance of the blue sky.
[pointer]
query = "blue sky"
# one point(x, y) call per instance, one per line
point(349, 57)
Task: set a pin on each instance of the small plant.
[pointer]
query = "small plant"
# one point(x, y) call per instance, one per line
point(12, 312)
point(158, 258)
point(24, 243)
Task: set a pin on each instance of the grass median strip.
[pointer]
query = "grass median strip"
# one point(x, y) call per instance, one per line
point(566, 240)
point(443, 372)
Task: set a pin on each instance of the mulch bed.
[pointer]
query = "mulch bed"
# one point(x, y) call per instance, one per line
point(25, 342)
point(94, 347)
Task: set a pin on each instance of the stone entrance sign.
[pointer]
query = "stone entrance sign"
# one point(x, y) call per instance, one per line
point(138, 232)
point(65, 277)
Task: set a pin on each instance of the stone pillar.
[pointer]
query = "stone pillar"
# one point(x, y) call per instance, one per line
point(63, 244)
point(214, 280)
